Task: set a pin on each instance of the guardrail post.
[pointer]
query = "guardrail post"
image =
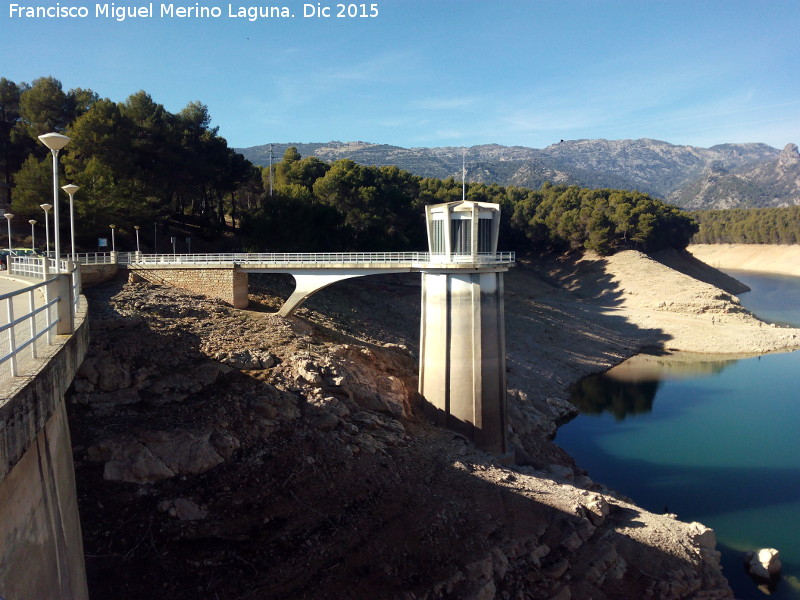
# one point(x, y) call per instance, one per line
point(12, 344)
point(61, 287)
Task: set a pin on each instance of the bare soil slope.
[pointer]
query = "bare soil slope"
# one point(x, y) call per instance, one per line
point(236, 454)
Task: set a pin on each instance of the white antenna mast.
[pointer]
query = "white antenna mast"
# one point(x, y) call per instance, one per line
point(463, 174)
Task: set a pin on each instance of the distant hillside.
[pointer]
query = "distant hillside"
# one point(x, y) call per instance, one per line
point(664, 170)
point(771, 183)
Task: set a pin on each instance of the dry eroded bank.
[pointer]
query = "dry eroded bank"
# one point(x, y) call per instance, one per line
point(768, 258)
point(234, 454)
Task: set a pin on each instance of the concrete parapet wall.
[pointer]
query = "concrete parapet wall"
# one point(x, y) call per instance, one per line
point(225, 283)
point(41, 551)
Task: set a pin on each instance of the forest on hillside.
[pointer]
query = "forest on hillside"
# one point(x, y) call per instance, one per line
point(139, 164)
point(748, 226)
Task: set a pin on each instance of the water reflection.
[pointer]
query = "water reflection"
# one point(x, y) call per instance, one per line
point(602, 393)
point(631, 387)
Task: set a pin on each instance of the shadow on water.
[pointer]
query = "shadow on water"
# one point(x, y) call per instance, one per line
point(700, 493)
point(631, 387)
point(745, 504)
point(595, 395)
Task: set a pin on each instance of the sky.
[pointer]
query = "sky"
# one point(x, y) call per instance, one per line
point(437, 72)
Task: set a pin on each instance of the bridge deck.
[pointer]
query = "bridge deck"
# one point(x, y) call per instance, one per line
point(412, 261)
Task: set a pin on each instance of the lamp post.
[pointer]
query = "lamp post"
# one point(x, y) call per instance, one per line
point(9, 216)
point(46, 208)
point(71, 188)
point(33, 234)
point(136, 227)
point(113, 242)
point(55, 141)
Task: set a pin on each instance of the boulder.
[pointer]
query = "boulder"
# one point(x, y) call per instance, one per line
point(156, 455)
point(764, 564)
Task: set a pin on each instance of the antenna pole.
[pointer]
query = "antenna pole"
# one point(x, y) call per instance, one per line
point(464, 174)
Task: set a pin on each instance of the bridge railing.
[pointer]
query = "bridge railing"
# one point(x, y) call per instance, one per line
point(23, 334)
point(243, 258)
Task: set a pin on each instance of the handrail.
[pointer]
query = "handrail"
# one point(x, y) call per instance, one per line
point(15, 326)
point(245, 258)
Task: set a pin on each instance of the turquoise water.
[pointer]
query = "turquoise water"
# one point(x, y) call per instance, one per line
point(715, 442)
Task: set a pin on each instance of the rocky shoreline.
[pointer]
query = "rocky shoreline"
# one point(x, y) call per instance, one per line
point(237, 454)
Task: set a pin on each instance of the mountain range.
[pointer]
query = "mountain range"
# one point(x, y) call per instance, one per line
point(723, 176)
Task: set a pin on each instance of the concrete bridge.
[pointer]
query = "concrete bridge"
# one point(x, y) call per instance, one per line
point(224, 276)
point(461, 371)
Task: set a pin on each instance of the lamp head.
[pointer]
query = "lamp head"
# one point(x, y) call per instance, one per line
point(54, 141)
point(113, 226)
point(46, 207)
point(8, 216)
point(32, 221)
point(70, 188)
point(136, 227)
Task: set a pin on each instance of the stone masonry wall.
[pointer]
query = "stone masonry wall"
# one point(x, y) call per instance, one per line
point(224, 283)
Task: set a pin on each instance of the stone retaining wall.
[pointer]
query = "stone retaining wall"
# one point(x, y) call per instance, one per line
point(97, 273)
point(225, 283)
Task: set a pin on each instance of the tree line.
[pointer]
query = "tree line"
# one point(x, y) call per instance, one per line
point(748, 226)
point(345, 205)
point(137, 163)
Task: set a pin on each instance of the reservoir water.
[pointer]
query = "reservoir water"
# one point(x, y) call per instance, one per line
point(714, 441)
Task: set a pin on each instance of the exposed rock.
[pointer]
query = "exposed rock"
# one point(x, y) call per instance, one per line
point(315, 473)
point(155, 455)
point(764, 564)
point(186, 510)
point(246, 359)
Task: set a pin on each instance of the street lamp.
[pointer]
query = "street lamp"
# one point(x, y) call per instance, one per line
point(113, 243)
point(71, 188)
point(136, 227)
point(55, 141)
point(9, 216)
point(46, 208)
point(33, 234)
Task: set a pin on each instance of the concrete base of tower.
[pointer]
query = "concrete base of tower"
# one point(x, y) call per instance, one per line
point(462, 370)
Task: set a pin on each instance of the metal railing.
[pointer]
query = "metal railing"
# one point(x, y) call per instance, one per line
point(311, 258)
point(21, 333)
point(97, 258)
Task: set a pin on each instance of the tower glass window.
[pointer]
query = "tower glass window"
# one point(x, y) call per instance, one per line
point(484, 236)
point(460, 236)
point(438, 236)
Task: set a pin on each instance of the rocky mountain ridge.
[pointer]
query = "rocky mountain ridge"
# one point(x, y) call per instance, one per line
point(668, 171)
point(774, 182)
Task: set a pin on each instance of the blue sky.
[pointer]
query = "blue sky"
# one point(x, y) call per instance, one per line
point(443, 72)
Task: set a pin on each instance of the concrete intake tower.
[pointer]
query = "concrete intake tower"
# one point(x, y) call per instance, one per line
point(462, 368)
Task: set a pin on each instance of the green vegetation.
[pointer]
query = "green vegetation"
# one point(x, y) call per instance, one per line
point(136, 163)
point(600, 220)
point(748, 226)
